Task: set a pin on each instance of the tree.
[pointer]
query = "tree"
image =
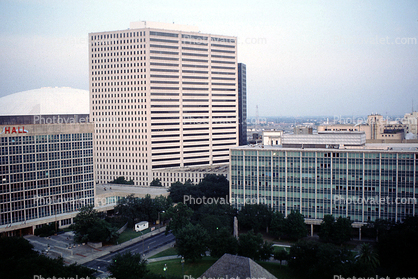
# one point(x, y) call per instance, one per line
point(19, 260)
point(156, 182)
point(310, 259)
point(251, 245)
point(89, 226)
point(214, 216)
point(342, 230)
point(46, 230)
point(134, 209)
point(128, 266)
point(276, 224)
point(191, 242)
point(128, 209)
point(121, 180)
point(367, 260)
point(294, 225)
point(336, 231)
point(214, 186)
point(222, 242)
point(255, 216)
point(179, 190)
point(395, 248)
point(179, 216)
point(281, 255)
point(327, 228)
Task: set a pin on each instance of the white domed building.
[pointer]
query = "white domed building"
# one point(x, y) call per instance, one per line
point(38, 106)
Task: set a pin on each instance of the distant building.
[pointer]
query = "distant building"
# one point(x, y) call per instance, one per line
point(363, 183)
point(302, 130)
point(193, 174)
point(161, 96)
point(272, 137)
point(410, 120)
point(377, 129)
point(47, 168)
point(242, 103)
point(325, 140)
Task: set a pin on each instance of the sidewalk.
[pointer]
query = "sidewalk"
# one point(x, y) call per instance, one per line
point(57, 245)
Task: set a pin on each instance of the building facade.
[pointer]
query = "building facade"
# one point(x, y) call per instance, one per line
point(161, 96)
point(363, 184)
point(242, 103)
point(46, 174)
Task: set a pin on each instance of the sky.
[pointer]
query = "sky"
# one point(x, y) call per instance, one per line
point(303, 58)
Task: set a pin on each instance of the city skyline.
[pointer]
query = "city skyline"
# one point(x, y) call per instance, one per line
point(321, 58)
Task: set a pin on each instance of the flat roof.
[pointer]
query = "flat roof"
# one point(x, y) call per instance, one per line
point(369, 147)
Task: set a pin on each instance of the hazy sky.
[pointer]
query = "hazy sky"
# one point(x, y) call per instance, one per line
point(303, 57)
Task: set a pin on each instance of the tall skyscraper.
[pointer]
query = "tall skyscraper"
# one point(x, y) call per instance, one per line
point(242, 103)
point(161, 96)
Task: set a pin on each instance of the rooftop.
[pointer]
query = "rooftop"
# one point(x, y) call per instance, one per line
point(389, 147)
point(46, 101)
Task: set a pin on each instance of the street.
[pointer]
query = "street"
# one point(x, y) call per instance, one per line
point(141, 247)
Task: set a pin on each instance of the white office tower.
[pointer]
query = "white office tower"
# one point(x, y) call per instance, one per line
point(161, 96)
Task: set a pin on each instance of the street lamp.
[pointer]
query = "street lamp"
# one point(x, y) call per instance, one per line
point(182, 265)
point(165, 270)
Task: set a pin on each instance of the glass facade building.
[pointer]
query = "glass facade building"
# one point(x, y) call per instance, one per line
point(362, 184)
point(242, 103)
point(45, 171)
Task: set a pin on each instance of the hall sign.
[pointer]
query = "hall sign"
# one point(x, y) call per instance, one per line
point(14, 130)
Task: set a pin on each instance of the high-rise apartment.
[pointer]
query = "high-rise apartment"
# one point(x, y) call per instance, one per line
point(161, 96)
point(242, 103)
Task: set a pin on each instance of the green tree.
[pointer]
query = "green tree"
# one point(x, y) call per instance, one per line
point(179, 190)
point(156, 182)
point(128, 208)
point(367, 260)
point(128, 266)
point(327, 228)
point(121, 180)
point(342, 230)
point(395, 248)
point(336, 231)
point(191, 242)
point(212, 216)
point(19, 260)
point(46, 230)
point(222, 242)
point(251, 245)
point(255, 216)
point(294, 225)
point(309, 259)
point(276, 224)
point(89, 226)
point(179, 217)
point(214, 186)
point(281, 255)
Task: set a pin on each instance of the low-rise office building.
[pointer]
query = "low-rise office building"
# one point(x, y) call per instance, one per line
point(363, 183)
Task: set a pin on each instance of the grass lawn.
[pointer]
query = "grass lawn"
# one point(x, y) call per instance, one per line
point(174, 267)
point(129, 233)
point(280, 271)
point(279, 248)
point(168, 252)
